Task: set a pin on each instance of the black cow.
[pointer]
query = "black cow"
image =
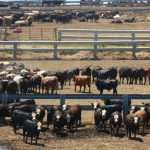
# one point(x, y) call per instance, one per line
point(71, 73)
point(50, 113)
point(18, 117)
point(124, 72)
point(36, 83)
point(110, 73)
point(86, 71)
point(136, 74)
point(58, 121)
point(32, 129)
point(24, 85)
point(107, 84)
point(12, 87)
point(113, 101)
point(95, 71)
point(62, 76)
point(63, 19)
point(115, 122)
point(4, 112)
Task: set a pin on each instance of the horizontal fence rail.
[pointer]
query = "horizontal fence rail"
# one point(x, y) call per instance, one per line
point(93, 46)
point(95, 35)
point(62, 97)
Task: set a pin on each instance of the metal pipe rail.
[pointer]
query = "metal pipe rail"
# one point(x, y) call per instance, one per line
point(62, 97)
point(94, 46)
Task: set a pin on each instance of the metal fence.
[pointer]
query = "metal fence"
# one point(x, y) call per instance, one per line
point(62, 97)
point(69, 46)
point(101, 35)
point(28, 33)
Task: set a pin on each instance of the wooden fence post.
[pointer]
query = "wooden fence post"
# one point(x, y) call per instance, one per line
point(125, 105)
point(62, 99)
point(14, 51)
point(41, 34)
point(133, 46)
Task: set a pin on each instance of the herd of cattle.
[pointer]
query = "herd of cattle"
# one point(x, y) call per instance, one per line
point(25, 114)
point(31, 118)
point(26, 18)
point(15, 78)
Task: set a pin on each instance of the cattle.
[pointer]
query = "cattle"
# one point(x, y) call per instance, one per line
point(82, 81)
point(58, 121)
point(136, 74)
point(142, 115)
point(18, 117)
point(36, 83)
point(95, 71)
point(24, 85)
point(63, 19)
point(40, 113)
point(50, 113)
point(62, 76)
point(49, 82)
point(71, 73)
point(124, 72)
point(18, 80)
point(146, 75)
point(27, 101)
point(4, 112)
point(100, 117)
point(86, 71)
point(110, 73)
point(130, 20)
point(107, 84)
point(133, 109)
point(115, 122)
point(32, 129)
point(113, 101)
point(103, 113)
point(73, 116)
point(132, 124)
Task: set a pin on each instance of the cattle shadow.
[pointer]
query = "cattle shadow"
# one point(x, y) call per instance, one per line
point(138, 139)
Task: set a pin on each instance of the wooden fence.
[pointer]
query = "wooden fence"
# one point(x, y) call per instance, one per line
point(62, 97)
point(56, 46)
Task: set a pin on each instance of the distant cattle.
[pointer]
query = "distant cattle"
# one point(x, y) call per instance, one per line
point(82, 81)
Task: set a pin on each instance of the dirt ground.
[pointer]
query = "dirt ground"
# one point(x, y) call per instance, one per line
point(86, 138)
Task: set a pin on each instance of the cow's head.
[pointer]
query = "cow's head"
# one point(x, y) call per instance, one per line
point(74, 77)
point(136, 120)
point(33, 116)
point(104, 113)
point(58, 115)
point(116, 118)
point(64, 107)
point(95, 105)
point(39, 126)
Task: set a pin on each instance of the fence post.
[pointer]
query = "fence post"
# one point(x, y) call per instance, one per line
point(62, 99)
point(55, 33)
point(133, 46)
point(59, 35)
point(95, 45)
point(55, 50)
point(125, 105)
point(14, 51)
point(4, 98)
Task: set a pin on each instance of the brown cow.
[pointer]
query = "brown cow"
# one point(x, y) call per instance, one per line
point(82, 81)
point(49, 82)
